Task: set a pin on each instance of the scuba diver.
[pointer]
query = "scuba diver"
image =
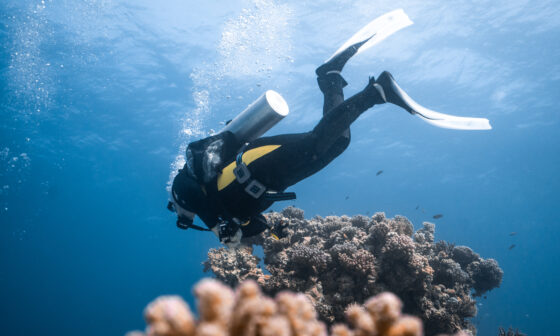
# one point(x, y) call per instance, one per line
point(228, 181)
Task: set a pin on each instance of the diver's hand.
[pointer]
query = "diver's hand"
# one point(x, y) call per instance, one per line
point(234, 241)
point(231, 241)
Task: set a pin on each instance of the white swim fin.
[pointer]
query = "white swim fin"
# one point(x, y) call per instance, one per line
point(395, 95)
point(377, 30)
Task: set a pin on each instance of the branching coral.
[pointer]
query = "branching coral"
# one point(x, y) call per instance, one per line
point(232, 265)
point(510, 332)
point(337, 261)
point(248, 313)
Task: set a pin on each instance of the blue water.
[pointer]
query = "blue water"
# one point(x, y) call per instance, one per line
point(99, 96)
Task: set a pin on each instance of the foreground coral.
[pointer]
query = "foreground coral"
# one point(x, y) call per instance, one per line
point(336, 261)
point(248, 313)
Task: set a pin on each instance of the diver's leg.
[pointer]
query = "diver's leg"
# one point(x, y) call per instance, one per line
point(302, 155)
point(332, 85)
point(329, 79)
point(339, 119)
point(332, 135)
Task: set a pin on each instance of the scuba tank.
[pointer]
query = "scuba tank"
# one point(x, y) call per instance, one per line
point(258, 117)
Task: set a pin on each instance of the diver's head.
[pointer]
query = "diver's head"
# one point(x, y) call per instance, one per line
point(186, 196)
point(185, 217)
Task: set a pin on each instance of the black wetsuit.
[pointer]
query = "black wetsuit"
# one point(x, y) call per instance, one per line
point(297, 157)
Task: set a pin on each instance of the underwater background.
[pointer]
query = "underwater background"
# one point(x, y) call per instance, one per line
point(98, 99)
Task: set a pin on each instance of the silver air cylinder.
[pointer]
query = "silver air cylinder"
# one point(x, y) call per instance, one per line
point(258, 117)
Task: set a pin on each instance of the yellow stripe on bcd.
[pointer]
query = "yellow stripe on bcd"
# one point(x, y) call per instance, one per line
point(249, 156)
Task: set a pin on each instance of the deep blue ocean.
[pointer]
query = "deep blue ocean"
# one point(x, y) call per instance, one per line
point(99, 97)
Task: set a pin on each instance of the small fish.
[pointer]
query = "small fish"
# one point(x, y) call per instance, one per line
point(347, 197)
point(417, 207)
point(512, 233)
point(438, 216)
point(379, 173)
point(511, 247)
point(484, 296)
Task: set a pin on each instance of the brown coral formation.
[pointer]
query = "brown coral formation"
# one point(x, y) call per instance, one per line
point(337, 261)
point(246, 312)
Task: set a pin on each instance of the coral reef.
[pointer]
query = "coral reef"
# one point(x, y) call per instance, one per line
point(510, 332)
point(246, 312)
point(337, 261)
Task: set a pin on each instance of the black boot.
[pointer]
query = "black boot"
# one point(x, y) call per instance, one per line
point(371, 95)
point(337, 63)
point(374, 93)
point(394, 94)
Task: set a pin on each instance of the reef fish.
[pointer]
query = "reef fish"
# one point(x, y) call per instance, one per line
point(511, 247)
point(512, 233)
point(379, 173)
point(438, 216)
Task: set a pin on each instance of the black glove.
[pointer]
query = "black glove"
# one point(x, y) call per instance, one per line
point(227, 230)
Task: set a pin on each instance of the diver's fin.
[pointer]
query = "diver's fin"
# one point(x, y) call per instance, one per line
point(395, 95)
point(393, 92)
point(376, 31)
point(336, 63)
